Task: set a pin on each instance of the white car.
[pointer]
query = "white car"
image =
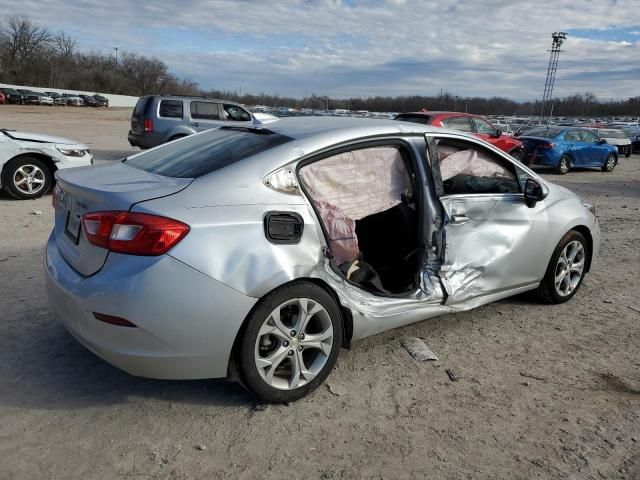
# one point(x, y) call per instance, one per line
point(29, 160)
point(617, 138)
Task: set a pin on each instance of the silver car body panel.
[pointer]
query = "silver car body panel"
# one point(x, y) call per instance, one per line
point(25, 143)
point(498, 252)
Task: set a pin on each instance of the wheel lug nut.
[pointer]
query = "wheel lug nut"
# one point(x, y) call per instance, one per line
point(271, 322)
point(292, 333)
point(299, 348)
point(301, 336)
point(285, 343)
point(290, 352)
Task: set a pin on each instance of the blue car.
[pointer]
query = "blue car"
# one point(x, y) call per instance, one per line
point(565, 147)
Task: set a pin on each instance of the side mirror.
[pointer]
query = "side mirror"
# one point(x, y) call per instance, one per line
point(532, 192)
point(498, 133)
point(602, 141)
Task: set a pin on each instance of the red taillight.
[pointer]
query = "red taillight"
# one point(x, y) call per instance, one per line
point(547, 145)
point(148, 125)
point(133, 233)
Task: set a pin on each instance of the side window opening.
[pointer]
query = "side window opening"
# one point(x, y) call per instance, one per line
point(170, 109)
point(364, 199)
point(458, 123)
point(467, 168)
point(235, 113)
point(204, 110)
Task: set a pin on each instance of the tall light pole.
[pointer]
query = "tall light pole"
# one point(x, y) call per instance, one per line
point(116, 50)
point(558, 39)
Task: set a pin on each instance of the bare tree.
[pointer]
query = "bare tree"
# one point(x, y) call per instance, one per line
point(22, 42)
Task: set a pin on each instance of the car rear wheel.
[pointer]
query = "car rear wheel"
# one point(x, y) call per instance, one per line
point(627, 152)
point(176, 137)
point(609, 163)
point(290, 342)
point(26, 178)
point(564, 165)
point(566, 269)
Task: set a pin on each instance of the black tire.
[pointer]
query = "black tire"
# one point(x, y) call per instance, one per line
point(547, 289)
point(176, 137)
point(245, 350)
point(627, 152)
point(610, 163)
point(564, 165)
point(11, 170)
point(517, 154)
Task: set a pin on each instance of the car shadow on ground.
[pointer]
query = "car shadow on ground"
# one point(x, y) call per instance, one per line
point(43, 366)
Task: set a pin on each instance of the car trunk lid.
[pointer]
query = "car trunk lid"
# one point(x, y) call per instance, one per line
point(94, 189)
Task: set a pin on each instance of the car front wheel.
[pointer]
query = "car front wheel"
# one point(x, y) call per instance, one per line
point(609, 163)
point(26, 178)
point(290, 342)
point(566, 269)
point(517, 154)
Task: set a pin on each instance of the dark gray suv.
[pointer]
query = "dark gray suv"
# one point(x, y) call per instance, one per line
point(157, 119)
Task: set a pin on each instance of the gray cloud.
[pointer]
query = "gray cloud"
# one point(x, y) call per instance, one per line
point(367, 47)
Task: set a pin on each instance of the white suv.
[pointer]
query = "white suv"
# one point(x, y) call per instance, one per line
point(29, 160)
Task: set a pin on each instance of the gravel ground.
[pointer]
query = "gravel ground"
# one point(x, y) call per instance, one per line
point(543, 391)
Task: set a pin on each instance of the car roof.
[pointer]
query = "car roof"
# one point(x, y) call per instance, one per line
point(300, 128)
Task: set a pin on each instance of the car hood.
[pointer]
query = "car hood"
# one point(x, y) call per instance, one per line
point(37, 137)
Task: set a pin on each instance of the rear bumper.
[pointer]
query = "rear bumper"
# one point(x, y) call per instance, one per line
point(186, 321)
point(144, 140)
point(544, 158)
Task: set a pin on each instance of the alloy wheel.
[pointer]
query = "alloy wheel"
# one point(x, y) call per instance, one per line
point(611, 163)
point(29, 179)
point(569, 268)
point(294, 344)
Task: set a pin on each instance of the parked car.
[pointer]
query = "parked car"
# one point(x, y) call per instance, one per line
point(29, 97)
point(28, 161)
point(633, 133)
point(617, 138)
point(101, 100)
point(258, 252)
point(58, 99)
point(44, 99)
point(158, 119)
point(475, 124)
point(12, 95)
point(73, 99)
point(89, 101)
point(563, 148)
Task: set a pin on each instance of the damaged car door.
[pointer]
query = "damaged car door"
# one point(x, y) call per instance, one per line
point(494, 241)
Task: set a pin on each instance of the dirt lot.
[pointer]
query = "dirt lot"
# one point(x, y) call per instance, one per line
point(544, 391)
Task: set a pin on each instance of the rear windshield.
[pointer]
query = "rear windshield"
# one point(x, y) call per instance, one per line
point(139, 109)
point(197, 155)
point(543, 132)
point(407, 117)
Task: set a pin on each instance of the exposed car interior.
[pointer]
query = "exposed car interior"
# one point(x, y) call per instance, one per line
point(365, 201)
point(467, 170)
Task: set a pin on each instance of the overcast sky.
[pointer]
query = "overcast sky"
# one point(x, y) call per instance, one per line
point(347, 48)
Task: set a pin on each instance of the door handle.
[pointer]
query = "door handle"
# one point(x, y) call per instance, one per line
point(195, 124)
point(459, 219)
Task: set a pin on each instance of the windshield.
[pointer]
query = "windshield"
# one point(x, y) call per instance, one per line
point(197, 155)
point(543, 132)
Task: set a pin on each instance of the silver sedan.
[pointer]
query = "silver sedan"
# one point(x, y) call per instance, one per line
point(256, 253)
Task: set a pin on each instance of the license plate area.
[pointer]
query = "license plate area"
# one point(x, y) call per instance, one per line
point(72, 227)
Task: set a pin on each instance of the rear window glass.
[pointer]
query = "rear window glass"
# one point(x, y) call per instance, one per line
point(137, 111)
point(205, 110)
point(206, 152)
point(422, 119)
point(171, 108)
point(543, 132)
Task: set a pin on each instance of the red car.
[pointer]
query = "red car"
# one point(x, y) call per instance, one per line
point(476, 124)
point(3, 100)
